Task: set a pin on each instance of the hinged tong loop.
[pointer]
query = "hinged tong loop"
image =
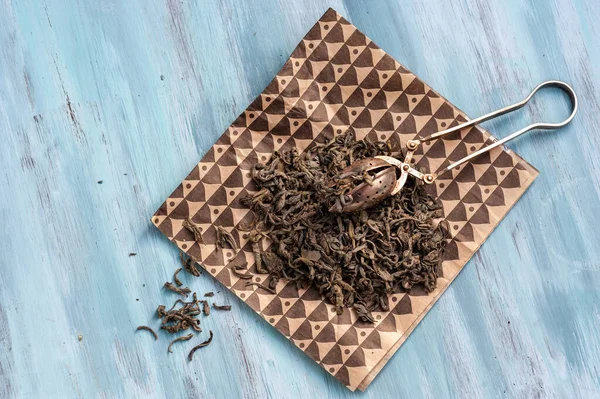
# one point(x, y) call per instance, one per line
point(429, 178)
point(386, 183)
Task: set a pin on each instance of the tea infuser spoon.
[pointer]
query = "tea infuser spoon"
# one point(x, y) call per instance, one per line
point(385, 182)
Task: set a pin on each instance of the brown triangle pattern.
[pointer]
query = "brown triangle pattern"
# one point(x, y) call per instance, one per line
point(338, 79)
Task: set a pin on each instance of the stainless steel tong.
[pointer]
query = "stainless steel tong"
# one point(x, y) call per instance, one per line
point(385, 181)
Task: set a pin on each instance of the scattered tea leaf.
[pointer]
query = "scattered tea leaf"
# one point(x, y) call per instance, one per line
point(202, 345)
point(241, 275)
point(264, 287)
point(146, 328)
point(221, 307)
point(176, 279)
point(255, 238)
point(189, 265)
point(189, 224)
point(209, 294)
point(181, 291)
point(363, 312)
point(205, 308)
point(178, 301)
point(182, 338)
point(177, 319)
point(132, 254)
point(225, 238)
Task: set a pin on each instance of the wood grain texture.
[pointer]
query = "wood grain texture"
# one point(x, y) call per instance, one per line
point(82, 100)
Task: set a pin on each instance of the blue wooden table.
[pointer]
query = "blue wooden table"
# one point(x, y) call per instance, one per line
point(106, 105)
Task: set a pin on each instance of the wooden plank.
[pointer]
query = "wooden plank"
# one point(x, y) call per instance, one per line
point(132, 95)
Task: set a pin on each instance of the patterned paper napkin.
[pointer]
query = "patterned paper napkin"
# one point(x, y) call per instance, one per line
point(338, 79)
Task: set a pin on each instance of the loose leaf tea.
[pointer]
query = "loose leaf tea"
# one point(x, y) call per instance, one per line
point(241, 275)
point(181, 291)
point(224, 238)
point(259, 285)
point(205, 308)
point(194, 228)
point(146, 328)
point(189, 265)
point(176, 279)
point(236, 271)
point(202, 345)
point(354, 259)
point(182, 318)
point(182, 338)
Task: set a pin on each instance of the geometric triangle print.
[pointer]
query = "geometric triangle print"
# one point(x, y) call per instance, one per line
point(321, 313)
point(472, 209)
point(350, 338)
point(466, 234)
point(511, 180)
point(313, 351)
point(343, 376)
point(327, 334)
point(496, 198)
point(458, 214)
point(388, 324)
point(357, 359)
point(373, 341)
point(482, 216)
point(304, 331)
point(489, 177)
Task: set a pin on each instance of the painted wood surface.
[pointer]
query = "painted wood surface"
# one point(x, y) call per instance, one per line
point(131, 94)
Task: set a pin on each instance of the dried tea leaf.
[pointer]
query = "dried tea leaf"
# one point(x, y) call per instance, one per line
point(189, 224)
point(202, 345)
point(224, 238)
point(205, 308)
point(177, 319)
point(182, 338)
point(189, 265)
point(181, 291)
point(176, 279)
point(241, 275)
point(264, 287)
point(146, 328)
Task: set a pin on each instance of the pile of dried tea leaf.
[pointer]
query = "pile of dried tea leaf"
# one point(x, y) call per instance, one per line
point(353, 259)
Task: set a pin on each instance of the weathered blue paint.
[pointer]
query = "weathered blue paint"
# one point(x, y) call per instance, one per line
point(82, 100)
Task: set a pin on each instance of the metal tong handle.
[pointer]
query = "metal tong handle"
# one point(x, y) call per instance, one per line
point(413, 144)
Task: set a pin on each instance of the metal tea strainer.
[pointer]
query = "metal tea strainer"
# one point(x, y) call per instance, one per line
point(385, 181)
